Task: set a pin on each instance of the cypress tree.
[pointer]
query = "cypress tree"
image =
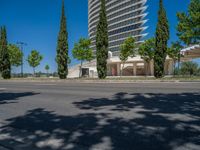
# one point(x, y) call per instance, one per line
point(62, 47)
point(102, 42)
point(162, 37)
point(5, 67)
point(1, 61)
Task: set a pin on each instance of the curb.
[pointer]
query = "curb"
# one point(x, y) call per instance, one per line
point(101, 81)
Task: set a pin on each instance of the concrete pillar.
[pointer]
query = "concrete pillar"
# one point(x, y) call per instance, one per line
point(170, 67)
point(118, 69)
point(109, 71)
point(166, 67)
point(134, 69)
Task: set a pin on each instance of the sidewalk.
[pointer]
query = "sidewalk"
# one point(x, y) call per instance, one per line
point(108, 80)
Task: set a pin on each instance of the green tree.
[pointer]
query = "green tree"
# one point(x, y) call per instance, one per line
point(15, 55)
point(198, 72)
point(34, 59)
point(146, 51)
point(82, 52)
point(127, 49)
point(162, 37)
point(47, 69)
point(189, 23)
point(5, 66)
point(1, 50)
point(174, 53)
point(102, 42)
point(189, 68)
point(62, 47)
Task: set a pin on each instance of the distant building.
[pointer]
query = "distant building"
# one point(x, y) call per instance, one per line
point(125, 18)
point(136, 66)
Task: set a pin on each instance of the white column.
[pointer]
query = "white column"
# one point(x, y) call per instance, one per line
point(165, 68)
point(118, 69)
point(170, 67)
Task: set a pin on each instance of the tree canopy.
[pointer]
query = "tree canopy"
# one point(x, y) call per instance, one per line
point(161, 40)
point(82, 50)
point(5, 66)
point(174, 53)
point(127, 49)
point(62, 47)
point(15, 55)
point(147, 50)
point(47, 67)
point(189, 23)
point(102, 42)
point(34, 59)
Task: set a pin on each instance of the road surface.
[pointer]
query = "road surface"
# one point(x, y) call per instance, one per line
point(103, 116)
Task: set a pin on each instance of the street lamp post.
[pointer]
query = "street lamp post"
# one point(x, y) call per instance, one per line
point(21, 45)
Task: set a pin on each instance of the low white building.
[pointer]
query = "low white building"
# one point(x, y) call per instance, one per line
point(191, 52)
point(135, 66)
point(88, 70)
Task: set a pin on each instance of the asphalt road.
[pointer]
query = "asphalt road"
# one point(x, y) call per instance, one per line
point(103, 116)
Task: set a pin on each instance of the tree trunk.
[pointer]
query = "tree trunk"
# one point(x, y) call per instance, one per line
point(33, 71)
point(174, 67)
point(179, 59)
point(150, 68)
point(80, 73)
point(47, 73)
point(147, 68)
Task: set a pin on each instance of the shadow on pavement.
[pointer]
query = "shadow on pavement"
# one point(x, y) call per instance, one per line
point(124, 122)
point(11, 97)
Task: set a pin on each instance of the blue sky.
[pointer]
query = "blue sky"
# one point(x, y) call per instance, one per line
point(36, 22)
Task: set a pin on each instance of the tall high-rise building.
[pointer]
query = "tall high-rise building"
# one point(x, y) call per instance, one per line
point(125, 18)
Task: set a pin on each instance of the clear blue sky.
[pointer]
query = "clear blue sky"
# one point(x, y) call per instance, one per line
point(36, 22)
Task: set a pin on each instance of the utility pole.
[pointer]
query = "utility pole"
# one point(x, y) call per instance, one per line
point(21, 45)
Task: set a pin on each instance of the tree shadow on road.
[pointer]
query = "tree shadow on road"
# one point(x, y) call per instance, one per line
point(124, 122)
point(11, 97)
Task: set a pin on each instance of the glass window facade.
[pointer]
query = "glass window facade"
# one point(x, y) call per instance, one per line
point(125, 18)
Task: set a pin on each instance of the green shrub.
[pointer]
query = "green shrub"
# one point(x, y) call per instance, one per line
point(189, 68)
